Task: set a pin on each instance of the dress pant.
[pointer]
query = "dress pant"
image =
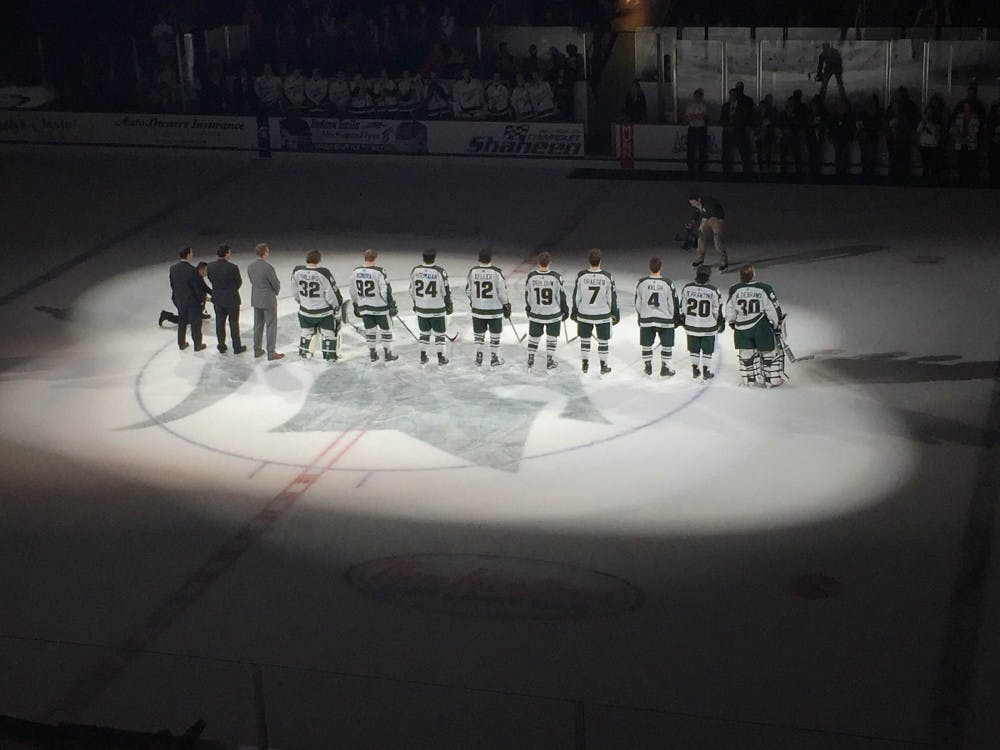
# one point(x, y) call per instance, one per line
point(189, 316)
point(222, 313)
point(697, 150)
point(265, 317)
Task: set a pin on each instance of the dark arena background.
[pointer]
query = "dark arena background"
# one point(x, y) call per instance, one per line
point(212, 549)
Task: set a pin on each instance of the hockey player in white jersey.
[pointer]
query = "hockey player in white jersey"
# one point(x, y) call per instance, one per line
point(656, 306)
point(498, 98)
point(487, 292)
point(753, 312)
point(595, 308)
point(319, 305)
point(371, 294)
point(431, 302)
point(545, 303)
point(467, 96)
point(701, 316)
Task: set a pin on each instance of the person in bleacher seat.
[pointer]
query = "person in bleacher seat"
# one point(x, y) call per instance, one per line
point(468, 97)
point(385, 90)
point(295, 89)
point(268, 89)
point(411, 94)
point(542, 99)
point(361, 97)
point(339, 93)
point(498, 98)
point(316, 89)
point(520, 100)
point(437, 104)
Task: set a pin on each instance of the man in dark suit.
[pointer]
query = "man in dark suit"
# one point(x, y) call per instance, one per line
point(187, 295)
point(244, 98)
point(226, 282)
point(264, 299)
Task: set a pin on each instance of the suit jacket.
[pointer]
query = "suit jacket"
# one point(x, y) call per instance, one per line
point(226, 281)
point(244, 96)
point(185, 285)
point(264, 284)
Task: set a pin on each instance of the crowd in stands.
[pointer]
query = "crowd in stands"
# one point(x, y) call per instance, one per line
point(790, 137)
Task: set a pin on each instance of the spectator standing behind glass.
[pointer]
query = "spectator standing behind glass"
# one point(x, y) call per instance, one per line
point(965, 133)
point(993, 138)
point(830, 65)
point(531, 64)
point(742, 121)
point(244, 98)
point(840, 126)
point(635, 103)
point(726, 118)
point(869, 136)
point(764, 119)
point(815, 135)
point(929, 139)
point(697, 135)
point(448, 24)
point(520, 100)
point(972, 99)
point(793, 118)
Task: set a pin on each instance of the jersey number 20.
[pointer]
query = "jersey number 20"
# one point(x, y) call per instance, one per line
point(698, 308)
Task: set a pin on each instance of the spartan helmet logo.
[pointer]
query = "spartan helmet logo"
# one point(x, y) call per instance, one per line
point(516, 132)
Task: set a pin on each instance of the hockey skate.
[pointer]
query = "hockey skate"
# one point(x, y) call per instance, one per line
point(550, 363)
point(389, 356)
point(585, 365)
point(531, 361)
point(709, 374)
point(442, 360)
point(373, 355)
point(479, 359)
point(424, 359)
point(696, 372)
point(647, 368)
point(605, 369)
point(495, 359)
point(665, 371)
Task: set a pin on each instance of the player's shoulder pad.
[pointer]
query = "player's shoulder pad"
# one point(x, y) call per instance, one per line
point(734, 287)
point(766, 287)
point(414, 269)
point(440, 270)
point(644, 278)
point(498, 270)
point(298, 268)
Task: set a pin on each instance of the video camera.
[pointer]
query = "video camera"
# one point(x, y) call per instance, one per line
point(689, 237)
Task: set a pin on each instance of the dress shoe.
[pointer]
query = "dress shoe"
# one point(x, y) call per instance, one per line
point(183, 346)
point(199, 347)
point(239, 349)
point(275, 355)
point(258, 352)
point(222, 348)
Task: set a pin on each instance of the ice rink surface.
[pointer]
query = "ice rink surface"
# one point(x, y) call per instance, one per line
point(472, 557)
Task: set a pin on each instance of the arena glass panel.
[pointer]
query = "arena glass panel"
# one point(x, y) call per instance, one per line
point(699, 65)
point(953, 66)
point(647, 55)
point(790, 66)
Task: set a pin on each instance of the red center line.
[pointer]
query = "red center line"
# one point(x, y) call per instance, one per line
point(96, 680)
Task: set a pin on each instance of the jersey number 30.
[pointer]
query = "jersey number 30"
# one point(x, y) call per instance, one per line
point(748, 306)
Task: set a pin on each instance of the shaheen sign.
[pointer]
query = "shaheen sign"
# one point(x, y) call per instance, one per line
point(506, 139)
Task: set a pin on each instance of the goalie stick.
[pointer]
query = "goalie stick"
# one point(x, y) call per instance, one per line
point(787, 349)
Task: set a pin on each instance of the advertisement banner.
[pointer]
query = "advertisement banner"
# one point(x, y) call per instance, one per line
point(667, 143)
point(188, 131)
point(626, 152)
point(350, 135)
point(556, 139)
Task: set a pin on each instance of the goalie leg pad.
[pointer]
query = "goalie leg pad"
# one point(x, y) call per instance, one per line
point(774, 367)
point(305, 340)
point(748, 366)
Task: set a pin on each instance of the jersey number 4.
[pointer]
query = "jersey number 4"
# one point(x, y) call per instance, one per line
point(365, 287)
point(544, 295)
point(309, 289)
point(423, 288)
point(698, 308)
point(484, 289)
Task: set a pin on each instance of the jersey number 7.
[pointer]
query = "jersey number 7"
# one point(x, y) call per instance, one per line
point(594, 291)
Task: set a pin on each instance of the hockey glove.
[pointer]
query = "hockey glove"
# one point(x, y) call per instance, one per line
point(565, 313)
point(448, 307)
point(615, 317)
point(573, 315)
point(393, 310)
point(506, 310)
point(357, 310)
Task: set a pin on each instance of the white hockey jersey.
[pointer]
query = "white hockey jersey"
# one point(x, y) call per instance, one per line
point(498, 99)
point(295, 90)
point(749, 303)
point(701, 309)
point(468, 97)
point(315, 289)
point(656, 302)
point(316, 89)
point(595, 298)
point(370, 290)
point(430, 291)
point(544, 296)
point(339, 93)
point(487, 291)
point(520, 100)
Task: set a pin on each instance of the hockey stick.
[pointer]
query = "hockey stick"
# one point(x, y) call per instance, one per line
point(408, 330)
point(787, 349)
point(513, 328)
point(566, 331)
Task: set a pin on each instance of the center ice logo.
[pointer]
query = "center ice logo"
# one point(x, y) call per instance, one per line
point(481, 417)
